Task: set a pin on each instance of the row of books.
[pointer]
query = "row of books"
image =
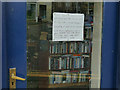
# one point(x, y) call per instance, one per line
point(74, 62)
point(68, 77)
point(88, 33)
point(70, 47)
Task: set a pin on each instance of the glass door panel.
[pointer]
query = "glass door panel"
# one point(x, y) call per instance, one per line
point(59, 64)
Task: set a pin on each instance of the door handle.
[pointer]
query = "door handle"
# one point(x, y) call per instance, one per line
point(13, 78)
point(17, 78)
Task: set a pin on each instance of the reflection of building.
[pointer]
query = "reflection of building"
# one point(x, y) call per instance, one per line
point(40, 9)
point(31, 9)
point(44, 10)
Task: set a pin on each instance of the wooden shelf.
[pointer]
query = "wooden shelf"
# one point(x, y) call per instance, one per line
point(73, 54)
point(85, 39)
point(75, 69)
point(68, 85)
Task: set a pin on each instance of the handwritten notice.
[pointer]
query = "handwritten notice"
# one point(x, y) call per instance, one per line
point(68, 27)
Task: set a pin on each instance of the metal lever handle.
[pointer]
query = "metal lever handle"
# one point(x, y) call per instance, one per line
point(17, 78)
point(13, 78)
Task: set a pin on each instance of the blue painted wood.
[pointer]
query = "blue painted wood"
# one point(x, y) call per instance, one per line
point(0, 45)
point(109, 45)
point(4, 53)
point(118, 55)
point(14, 41)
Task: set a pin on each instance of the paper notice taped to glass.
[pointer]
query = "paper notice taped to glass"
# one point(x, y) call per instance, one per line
point(68, 27)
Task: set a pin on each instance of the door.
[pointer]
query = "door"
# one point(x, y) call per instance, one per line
point(44, 63)
point(118, 55)
point(14, 42)
point(1, 45)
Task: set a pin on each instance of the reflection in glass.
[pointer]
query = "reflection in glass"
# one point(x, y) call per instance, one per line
point(57, 64)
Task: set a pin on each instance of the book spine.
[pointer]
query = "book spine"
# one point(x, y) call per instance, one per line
point(89, 47)
point(63, 47)
point(65, 63)
point(78, 62)
point(75, 47)
point(66, 47)
point(54, 63)
point(60, 48)
point(68, 78)
point(68, 63)
point(57, 64)
point(86, 48)
point(74, 78)
point(56, 48)
point(52, 48)
point(82, 63)
point(49, 63)
point(74, 63)
point(82, 48)
point(72, 48)
point(51, 79)
point(60, 62)
point(79, 77)
point(69, 47)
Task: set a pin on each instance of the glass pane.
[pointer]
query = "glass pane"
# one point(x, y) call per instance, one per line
point(58, 64)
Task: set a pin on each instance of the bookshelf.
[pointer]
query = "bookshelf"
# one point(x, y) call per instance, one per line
point(70, 62)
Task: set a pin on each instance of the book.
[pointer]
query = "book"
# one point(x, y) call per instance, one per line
point(49, 63)
point(74, 78)
point(68, 78)
point(86, 62)
point(82, 62)
point(51, 79)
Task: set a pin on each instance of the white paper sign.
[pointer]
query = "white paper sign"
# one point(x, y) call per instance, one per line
point(68, 27)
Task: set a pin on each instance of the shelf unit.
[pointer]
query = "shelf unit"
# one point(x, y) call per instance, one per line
point(70, 62)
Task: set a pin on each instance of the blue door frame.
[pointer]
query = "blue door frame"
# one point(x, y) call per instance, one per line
point(118, 55)
point(14, 43)
point(0, 45)
point(109, 45)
